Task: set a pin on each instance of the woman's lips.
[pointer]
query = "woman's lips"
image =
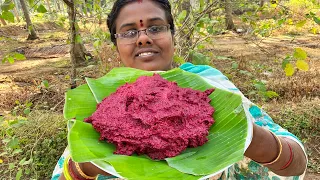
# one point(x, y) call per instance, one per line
point(145, 51)
point(147, 56)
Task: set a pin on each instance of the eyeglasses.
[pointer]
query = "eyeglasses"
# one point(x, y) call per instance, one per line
point(131, 36)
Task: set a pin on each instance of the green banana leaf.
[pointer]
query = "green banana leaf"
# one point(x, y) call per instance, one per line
point(225, 147)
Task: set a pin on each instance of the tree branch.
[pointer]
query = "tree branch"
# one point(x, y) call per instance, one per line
point(68, 3)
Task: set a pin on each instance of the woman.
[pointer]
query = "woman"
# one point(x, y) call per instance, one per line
point(143, 34)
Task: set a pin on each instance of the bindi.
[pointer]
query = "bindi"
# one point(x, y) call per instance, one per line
point(139, 1)
point(141, 23)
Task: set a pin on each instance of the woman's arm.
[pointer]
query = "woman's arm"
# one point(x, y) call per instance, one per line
point(87, 168)
point(264, 148)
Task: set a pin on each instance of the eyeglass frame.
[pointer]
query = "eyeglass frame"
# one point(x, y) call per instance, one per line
point(118, 35)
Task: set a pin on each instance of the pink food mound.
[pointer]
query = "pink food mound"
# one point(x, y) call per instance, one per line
point(155, 117)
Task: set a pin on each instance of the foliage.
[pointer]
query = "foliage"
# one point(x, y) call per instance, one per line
point(303, 121)
point(100, 36)
point(265, 20)
point(11, 57)
point(299, 56)
point(31, 143)
point(194, 29)
point(6, 13)
point(297, 5)
point(313, 16)
point(8, 6)
point(41, 9)
point(61, 20)
point(261, 90)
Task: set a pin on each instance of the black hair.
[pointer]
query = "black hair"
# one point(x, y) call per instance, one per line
point(119, 4)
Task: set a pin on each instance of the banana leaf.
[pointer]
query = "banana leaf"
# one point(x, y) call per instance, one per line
point(225, 147)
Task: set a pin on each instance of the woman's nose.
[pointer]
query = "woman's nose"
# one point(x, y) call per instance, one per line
point(143, 39)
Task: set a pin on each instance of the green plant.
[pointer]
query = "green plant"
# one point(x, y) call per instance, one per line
point(301, 4)
point(5, 12)
point(61, 20)
point(31, 145)
point(313, 16)
point(299, 56)
point(21, 109)
point(301, 122)
point(195, 29)
point(99, 36)
point(11, 146)
point(261, 91)
point(11, 57)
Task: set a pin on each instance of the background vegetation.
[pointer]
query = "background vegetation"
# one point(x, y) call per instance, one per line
point(269, 49)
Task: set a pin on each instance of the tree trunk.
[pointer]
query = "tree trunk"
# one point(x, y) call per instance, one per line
point(58, 7)
point(3, 21)
point(49, 7)
point(72, 18)
point(16, 13)
point(86, 5)
point(83, 7)
point(32, 33)
point(209, 13)
point(185, 35)
point(17, 4)
point(103, 2)
point(77, 50)
point(228, 15)
point(64, 7)
point(15, 10)
point(262, 3)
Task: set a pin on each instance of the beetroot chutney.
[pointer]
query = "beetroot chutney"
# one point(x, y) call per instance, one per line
point(155, 117)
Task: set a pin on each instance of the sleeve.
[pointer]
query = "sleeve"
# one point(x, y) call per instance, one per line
point(59, 166)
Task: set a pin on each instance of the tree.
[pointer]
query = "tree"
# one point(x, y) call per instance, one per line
point(16, 13)
point(49, 6)
point(32, 33)
point(16, 9)
point(5, 12)
point(77, 50)
point(3, 21)
point(262, 2)
point(228, 15)
point(191, 27)
point(185, 36)
point(58, 8)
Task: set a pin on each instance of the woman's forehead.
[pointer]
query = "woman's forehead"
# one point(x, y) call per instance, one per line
point(146, 10)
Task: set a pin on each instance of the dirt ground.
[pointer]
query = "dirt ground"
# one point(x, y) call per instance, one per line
point(47, 59)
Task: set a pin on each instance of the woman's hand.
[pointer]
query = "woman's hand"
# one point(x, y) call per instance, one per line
point(264, 148)
point(87, 168)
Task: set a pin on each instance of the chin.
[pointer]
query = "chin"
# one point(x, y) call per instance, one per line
point(151, 67)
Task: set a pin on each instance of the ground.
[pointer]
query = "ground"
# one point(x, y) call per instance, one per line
point(297, 107)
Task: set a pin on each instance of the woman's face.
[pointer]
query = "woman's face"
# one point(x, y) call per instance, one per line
point(145, 53)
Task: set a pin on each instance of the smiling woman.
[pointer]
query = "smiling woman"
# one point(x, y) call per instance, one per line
point(143, 34)
point(149, 47)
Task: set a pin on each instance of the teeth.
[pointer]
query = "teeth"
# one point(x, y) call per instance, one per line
point(146, 54)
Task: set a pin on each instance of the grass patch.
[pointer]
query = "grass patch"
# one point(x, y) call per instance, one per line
point(32, 145)
point(305, 124)
point(303, 120)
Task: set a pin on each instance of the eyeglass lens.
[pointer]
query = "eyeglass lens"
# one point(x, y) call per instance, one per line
point(151, 34)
